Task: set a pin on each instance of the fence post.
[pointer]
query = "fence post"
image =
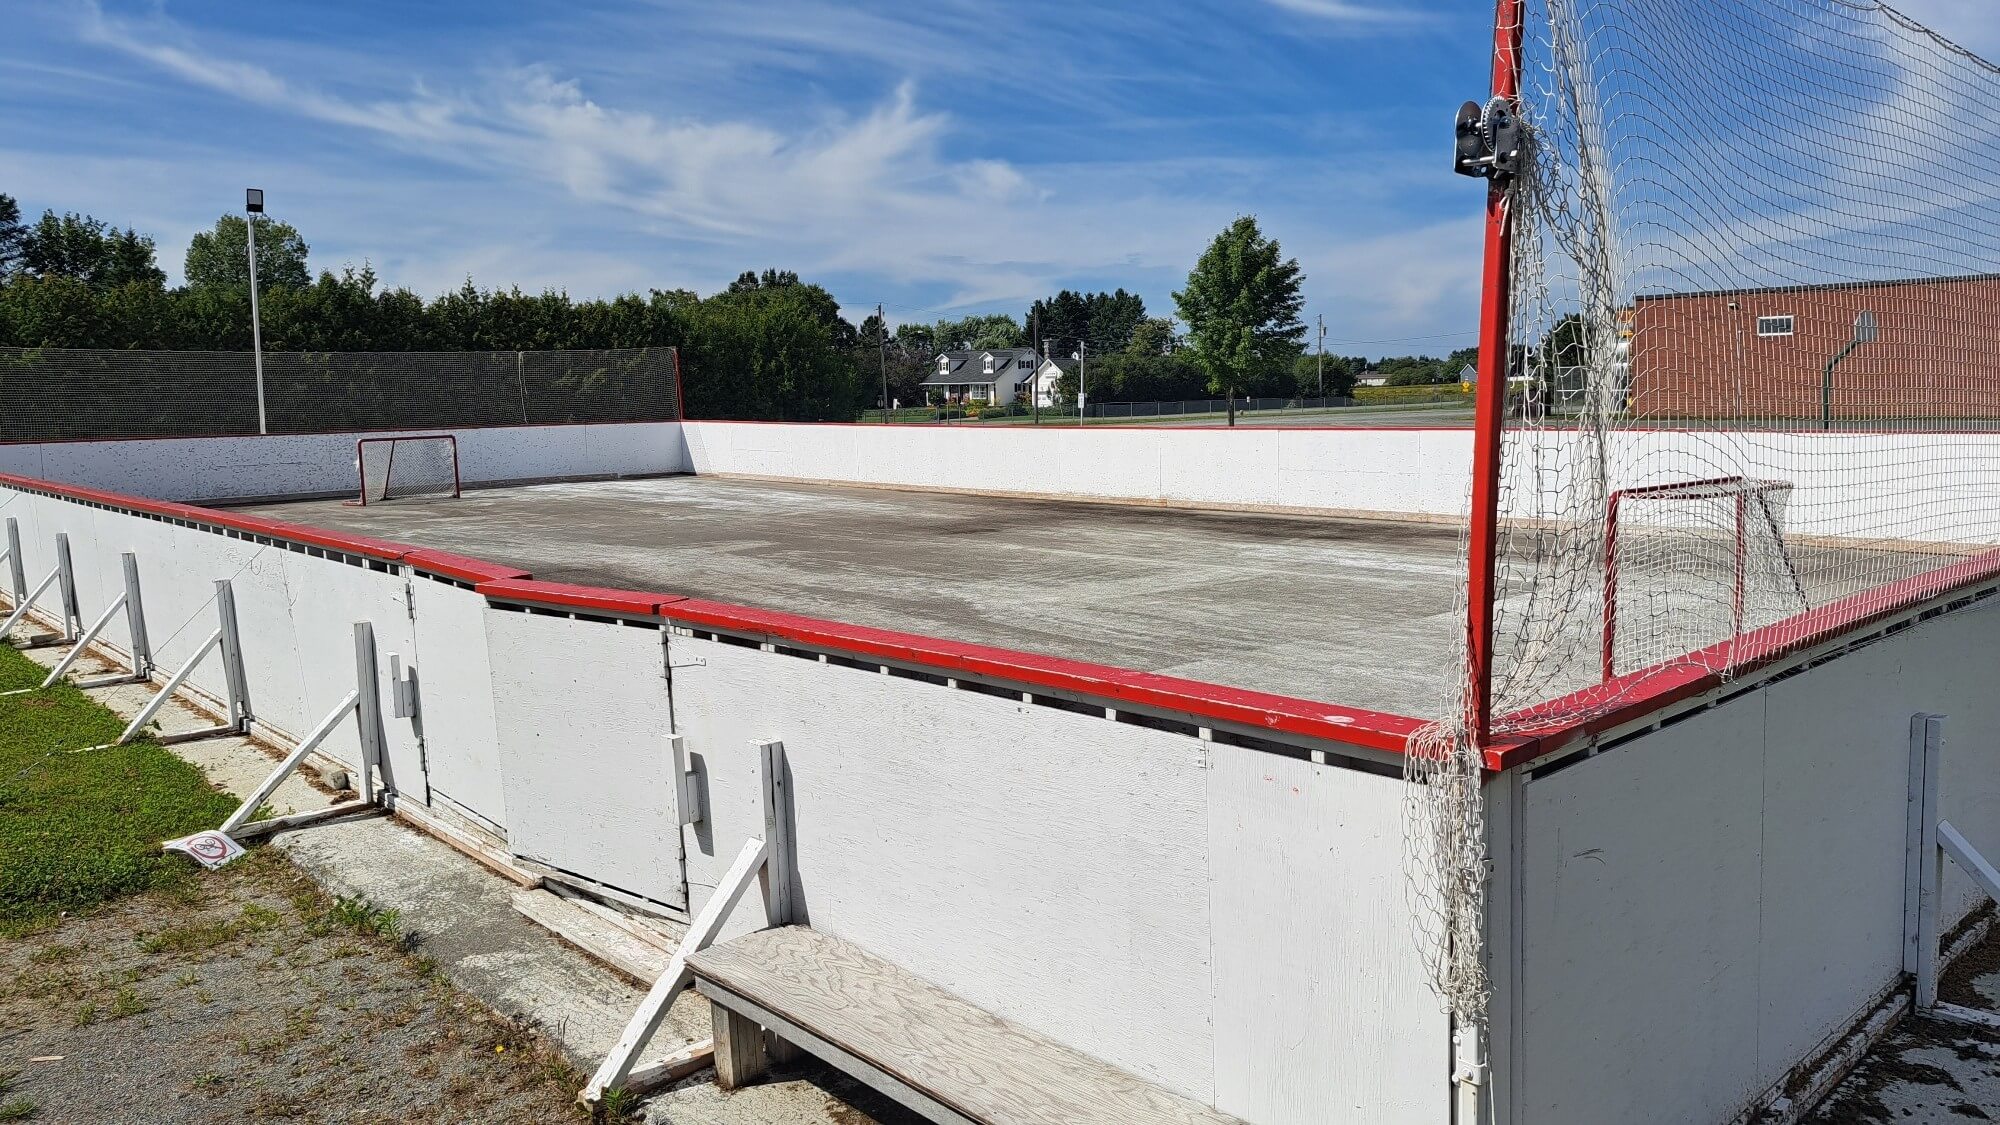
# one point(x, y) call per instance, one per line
point(521, 381)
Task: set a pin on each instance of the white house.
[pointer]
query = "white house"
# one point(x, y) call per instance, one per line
point(1047, 376)
point(992, 375)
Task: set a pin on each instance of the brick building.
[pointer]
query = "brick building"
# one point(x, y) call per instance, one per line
point(1762, 353)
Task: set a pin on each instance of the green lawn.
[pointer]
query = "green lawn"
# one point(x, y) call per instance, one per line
point(77, 828)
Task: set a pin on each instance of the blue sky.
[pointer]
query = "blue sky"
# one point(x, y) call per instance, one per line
point(946, 157)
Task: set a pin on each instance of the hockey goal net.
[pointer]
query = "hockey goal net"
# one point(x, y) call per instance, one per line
point(1693, 564)
point(394, 468)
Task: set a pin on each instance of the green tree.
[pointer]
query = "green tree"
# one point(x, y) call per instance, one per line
point(1241, 306)
point(1153, 336)
point(975, 333)
point(1104, 321)
point(220, 256)
point(1341, 374)
point(89, 250)
point(12, 236)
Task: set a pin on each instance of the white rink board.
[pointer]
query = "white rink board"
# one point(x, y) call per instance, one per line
point(1407, 471)
point(583, 713)
point(1087, 879)
point(198, 469)
point(455, 685)
point(1845, 484)
point(1704, 905)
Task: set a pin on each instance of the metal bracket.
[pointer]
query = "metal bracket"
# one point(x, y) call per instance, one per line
point(687, 783)
point(1489, 140)
point(403, 701)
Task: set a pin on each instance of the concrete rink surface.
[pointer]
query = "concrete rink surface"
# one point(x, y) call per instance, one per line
point(1358, 612)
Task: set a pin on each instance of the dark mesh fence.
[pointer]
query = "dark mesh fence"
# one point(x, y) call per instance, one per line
point(59, 393)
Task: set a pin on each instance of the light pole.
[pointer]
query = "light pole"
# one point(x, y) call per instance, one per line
point(1864, 333)
point(1080, 384)
point(253, 206)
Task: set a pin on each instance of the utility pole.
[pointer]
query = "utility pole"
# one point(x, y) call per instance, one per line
point(253, 205)
point(882, 341)
point(1323, 359)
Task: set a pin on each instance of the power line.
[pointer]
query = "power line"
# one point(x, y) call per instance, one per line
point(1411, 339)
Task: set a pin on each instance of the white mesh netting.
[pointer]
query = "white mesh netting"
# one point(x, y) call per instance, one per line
point(393, 468)
point(1753, 367)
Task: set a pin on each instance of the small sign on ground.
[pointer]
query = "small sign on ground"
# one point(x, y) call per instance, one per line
point(211, 849)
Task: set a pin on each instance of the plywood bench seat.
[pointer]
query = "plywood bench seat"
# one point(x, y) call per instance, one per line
point(929, 1050)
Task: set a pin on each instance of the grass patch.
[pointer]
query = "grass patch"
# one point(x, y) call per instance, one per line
point(18, 1109)
point(77, 829)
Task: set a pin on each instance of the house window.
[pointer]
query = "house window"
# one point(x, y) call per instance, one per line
point(1024, 364)
point(1774, 326)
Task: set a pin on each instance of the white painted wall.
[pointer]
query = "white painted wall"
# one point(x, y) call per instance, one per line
point(1225, 922)
point(253, 467)
point(1859, 485)
point(1410, 471)
point(1704, 905)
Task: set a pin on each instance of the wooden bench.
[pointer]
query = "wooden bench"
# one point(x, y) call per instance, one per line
point(916, 1043)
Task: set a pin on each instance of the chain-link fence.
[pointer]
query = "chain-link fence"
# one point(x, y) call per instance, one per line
point(61, 393)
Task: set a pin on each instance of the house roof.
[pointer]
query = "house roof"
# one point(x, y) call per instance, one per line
point(967, 369)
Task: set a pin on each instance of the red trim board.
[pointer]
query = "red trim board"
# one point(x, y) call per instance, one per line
point(1637, 693)
point(1355, 726)
point(1549, 726)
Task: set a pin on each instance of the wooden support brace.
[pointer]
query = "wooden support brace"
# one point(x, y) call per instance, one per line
point(83, 642)
point(1927, 740)
point(17, 577)
point(618, 1065)
point(306, 746)
point(167, 691)
point(781, 904)
point(1968, 859)
point(671, 1069)
point(24, 604)
point(271, 827)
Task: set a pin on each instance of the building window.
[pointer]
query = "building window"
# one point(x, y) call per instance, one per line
point(1024, 364)
point(1774, 326)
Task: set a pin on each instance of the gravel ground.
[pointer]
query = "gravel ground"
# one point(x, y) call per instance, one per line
point(251, 995)
point(1928, 1070)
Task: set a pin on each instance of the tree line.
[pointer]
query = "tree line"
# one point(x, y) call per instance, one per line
point(769, 345)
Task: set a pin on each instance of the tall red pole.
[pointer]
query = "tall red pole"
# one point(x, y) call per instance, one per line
point(1490, 398)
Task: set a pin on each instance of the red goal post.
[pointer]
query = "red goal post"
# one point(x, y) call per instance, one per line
point(413, 465)
point(1751, 513)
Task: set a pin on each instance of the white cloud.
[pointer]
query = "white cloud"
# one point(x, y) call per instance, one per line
point(1348, 12)
point(533, 176)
